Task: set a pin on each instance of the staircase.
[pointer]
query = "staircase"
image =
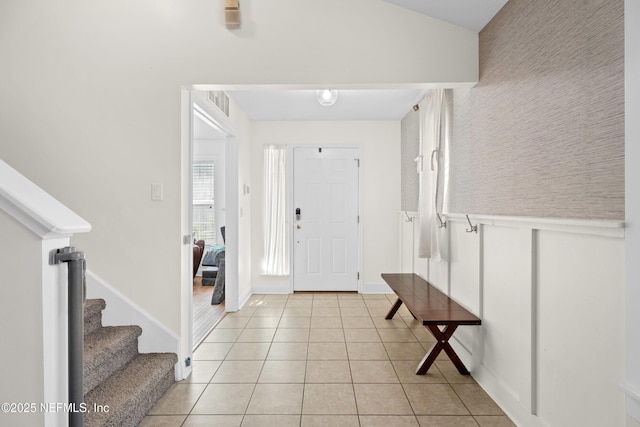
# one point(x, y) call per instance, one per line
point(116, 375)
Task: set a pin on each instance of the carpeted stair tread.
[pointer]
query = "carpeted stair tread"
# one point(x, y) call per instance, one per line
point(107, 350)
point(93, 306)
point(132, 391)
point(93, 314)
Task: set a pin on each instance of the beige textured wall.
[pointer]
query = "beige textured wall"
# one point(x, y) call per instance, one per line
point(542, 134)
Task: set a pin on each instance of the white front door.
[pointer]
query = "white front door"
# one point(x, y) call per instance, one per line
point(326, 221)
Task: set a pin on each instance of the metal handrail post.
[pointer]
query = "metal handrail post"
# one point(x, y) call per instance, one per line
point(76, 276)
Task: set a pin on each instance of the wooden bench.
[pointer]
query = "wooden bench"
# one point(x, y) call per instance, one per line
point(434, 309)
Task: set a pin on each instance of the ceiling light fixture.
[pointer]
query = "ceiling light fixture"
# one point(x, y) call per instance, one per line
point(327, 97)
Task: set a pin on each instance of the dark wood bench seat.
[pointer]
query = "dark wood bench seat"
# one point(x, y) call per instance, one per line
point(434, 309)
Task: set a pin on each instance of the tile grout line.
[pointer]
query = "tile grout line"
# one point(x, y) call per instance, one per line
point(407, 326)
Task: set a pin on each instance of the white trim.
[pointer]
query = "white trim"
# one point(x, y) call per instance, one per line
point(214, 116)
point(375, 288)
point(185, 349)
point(232, 224)
point(120, 310)
point(581, 226)
point(242, 300)
point(55, 320)
point(36, 209)
point(361, 216)
point(633, 400)
point(54, 223)
point(193, 99)
point(534, 327)
point(270, 288)
point(631, 391)
point(289, 186)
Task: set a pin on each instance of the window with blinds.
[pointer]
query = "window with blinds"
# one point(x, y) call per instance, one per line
point(204, 226)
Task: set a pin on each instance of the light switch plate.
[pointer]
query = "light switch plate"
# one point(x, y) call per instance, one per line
point(157, 192)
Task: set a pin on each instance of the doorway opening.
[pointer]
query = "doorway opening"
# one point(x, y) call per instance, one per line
point(208, 219)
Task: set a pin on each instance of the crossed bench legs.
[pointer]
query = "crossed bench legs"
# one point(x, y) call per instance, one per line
point(442, 343)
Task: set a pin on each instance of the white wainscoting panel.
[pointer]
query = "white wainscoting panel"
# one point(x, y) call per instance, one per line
point(464, 255)
point(550, 293)
point(506, 310)
point(581, 329)
point(407, 222)
point(437, 271)
point(465, 286)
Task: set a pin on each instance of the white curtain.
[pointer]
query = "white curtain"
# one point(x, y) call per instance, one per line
point(276, 251)
point(433, 169)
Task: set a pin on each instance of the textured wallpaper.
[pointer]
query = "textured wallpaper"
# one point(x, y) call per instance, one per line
point(542, 134)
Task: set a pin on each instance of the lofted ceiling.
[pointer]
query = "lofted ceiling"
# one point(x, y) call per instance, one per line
point(470, 14)
point(301, 105)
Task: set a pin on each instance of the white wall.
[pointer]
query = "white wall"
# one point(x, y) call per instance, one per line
point(551, 297)
point(91, 106)
point(22, 331)
point(245, 201)
point(380, 170)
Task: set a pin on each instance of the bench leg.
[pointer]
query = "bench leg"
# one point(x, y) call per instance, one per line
point(394, 309)
point(442, 343)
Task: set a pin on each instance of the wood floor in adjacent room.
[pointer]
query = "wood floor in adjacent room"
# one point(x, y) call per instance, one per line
point(205, 315)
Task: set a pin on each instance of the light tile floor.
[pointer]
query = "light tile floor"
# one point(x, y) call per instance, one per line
point(322, 359)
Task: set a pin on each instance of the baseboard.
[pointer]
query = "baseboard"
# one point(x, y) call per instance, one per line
point(120, 310)
point(274, 288)
point(244, 298)
point(519, 412)
point(506, 398)
point(282, 289)
point(375, 288)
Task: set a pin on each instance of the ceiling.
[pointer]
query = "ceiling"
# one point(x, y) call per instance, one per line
point(301, 105)
point(392, 104)
point(471, 14)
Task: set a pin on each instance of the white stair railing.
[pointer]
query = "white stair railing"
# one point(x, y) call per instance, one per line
point(35, 227)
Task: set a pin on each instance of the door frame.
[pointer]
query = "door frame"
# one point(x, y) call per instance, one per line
point(191, 96)
point(290, 201)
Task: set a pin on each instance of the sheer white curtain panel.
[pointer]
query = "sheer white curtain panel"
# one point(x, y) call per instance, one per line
point(276, 251)
point(436, 111)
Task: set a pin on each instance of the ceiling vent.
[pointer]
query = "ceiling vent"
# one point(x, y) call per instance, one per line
point(220, 100)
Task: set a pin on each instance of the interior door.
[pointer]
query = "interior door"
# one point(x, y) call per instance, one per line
point(326, 221)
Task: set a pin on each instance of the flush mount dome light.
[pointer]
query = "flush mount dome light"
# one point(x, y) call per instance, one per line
point(327, 97)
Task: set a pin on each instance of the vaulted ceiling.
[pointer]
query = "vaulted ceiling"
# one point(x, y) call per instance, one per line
point(389, 104)
point(471, 14)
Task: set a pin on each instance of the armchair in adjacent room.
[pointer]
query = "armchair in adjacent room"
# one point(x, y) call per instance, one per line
point(198, 251)
point(211, 265)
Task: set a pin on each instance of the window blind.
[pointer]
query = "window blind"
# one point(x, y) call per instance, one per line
point(204, 226)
